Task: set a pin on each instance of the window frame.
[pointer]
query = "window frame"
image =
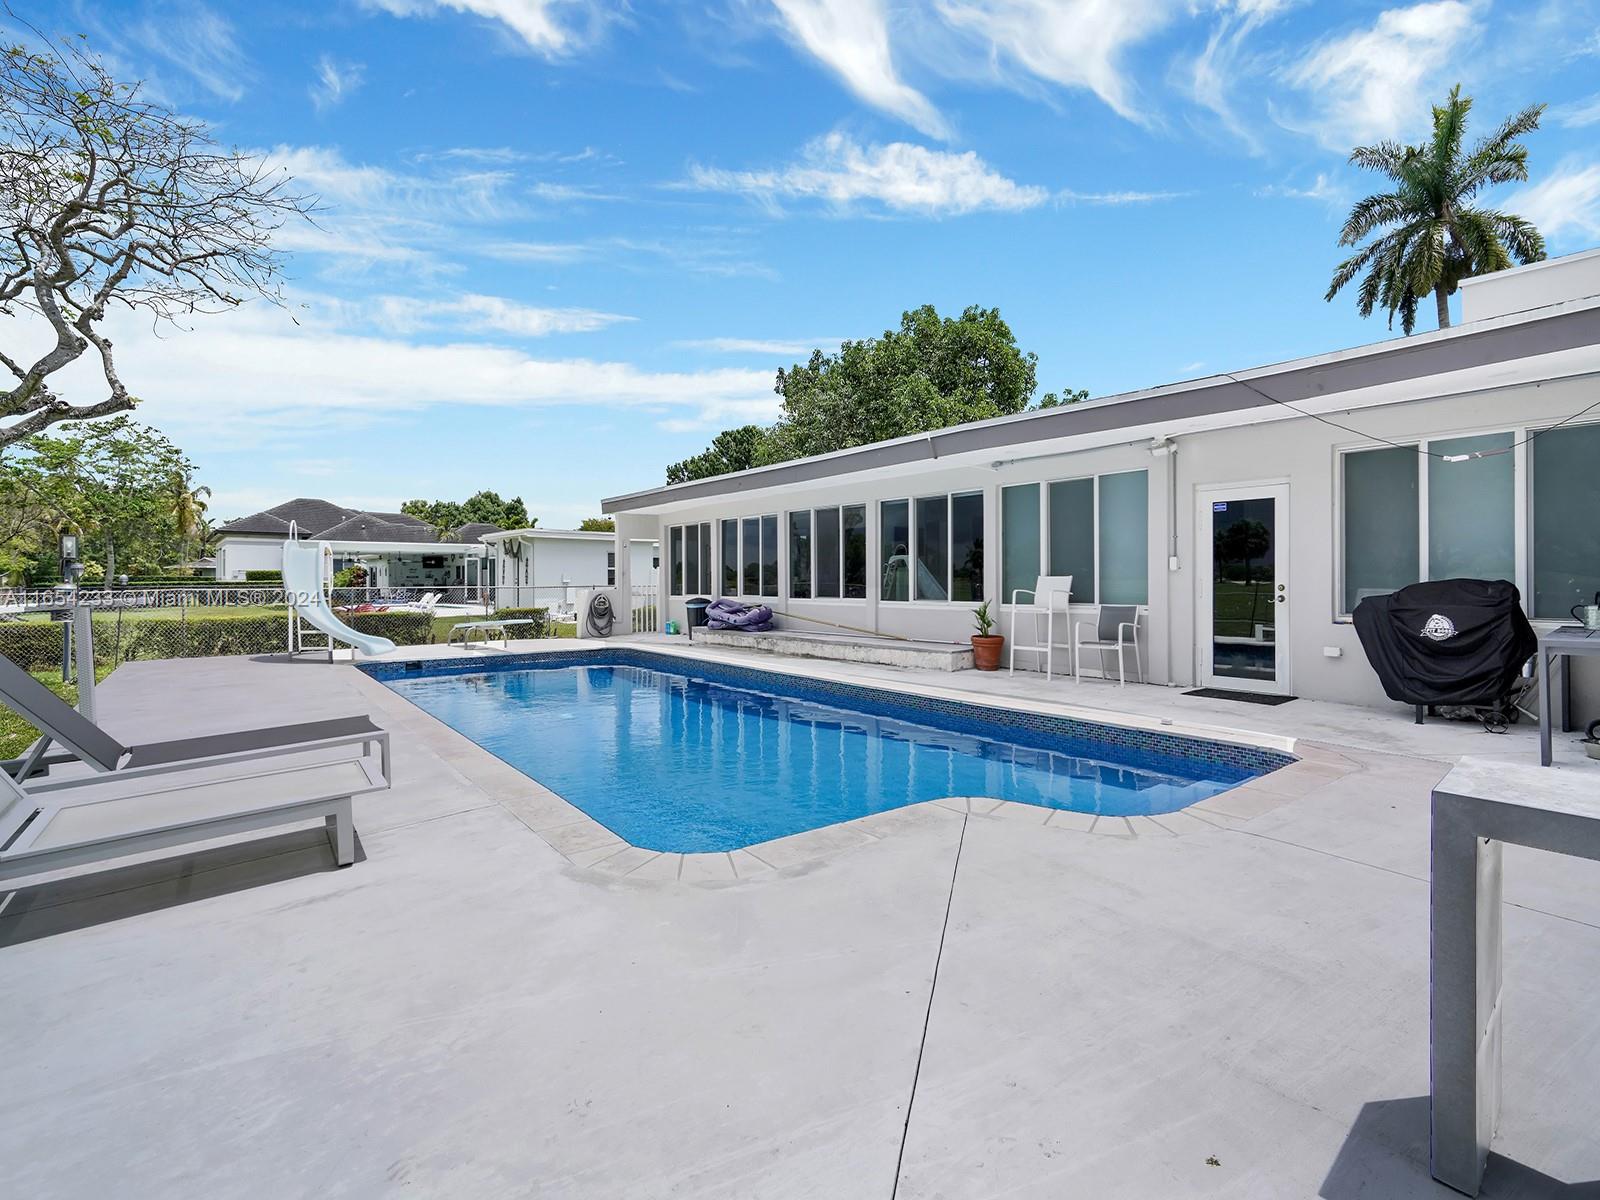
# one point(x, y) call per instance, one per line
point(913, 547)
point(1522, 515)
point(678, 581)
point(814, 552)
point(760, 521)
point(1045, 530)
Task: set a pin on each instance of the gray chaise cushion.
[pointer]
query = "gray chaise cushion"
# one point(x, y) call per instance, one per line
point(246, 740)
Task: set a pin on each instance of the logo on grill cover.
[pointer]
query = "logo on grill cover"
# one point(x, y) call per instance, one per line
point(1439, 628)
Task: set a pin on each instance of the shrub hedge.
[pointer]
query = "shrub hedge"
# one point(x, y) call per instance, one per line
point(400, 627)
point(36, 645)
point(263, 576)
point(541, 615)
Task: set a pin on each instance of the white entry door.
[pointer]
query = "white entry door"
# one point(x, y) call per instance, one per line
point(1243, 606)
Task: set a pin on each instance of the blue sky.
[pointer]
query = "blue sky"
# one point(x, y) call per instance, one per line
point(564, 242)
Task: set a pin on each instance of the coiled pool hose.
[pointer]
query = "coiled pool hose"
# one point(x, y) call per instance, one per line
point(600, 618)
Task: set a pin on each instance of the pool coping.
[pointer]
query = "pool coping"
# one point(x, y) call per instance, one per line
point(595, 849)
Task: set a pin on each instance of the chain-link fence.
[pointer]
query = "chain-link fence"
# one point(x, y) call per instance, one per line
point(202, 622)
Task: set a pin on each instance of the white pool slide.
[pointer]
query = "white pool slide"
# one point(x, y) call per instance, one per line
point(302, 584)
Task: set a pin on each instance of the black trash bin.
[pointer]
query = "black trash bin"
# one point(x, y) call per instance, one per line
point(694, 614)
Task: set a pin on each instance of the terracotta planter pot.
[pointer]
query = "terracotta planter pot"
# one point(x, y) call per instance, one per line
point(986, 651)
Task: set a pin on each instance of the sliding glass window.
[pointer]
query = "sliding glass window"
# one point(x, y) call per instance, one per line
point(751, 558)
point(769, 555)
point(1410, 513)
point(1072, 530)
point(691, 557)
point(1471, 509)
point(800, 555)
point(1122, 526)
point(1019, 539)
point(1382, 535)
point(1096, 529)
point(932, 548)
point(854, 517)
point(894, 532)
point(730, 557)
point(932, 577)
point(827, 553)
point(966, 547)
point(1566, 519)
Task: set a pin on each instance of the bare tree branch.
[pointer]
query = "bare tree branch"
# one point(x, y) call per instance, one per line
point(109, 199)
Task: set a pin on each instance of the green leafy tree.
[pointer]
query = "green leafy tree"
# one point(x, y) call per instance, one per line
point(1432, 234)
point(930, 373)
point(484, 507)
point(598, 525)
point(115, 482)
point(731, 450)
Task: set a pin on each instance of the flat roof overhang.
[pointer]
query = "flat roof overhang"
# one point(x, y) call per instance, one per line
point(1555, 342)
point(448, 549)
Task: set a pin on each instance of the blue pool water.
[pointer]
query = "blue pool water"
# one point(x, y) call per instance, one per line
point(675, 756)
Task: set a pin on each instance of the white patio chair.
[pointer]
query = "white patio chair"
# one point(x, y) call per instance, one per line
point(1050, 597)
point(1116, 628)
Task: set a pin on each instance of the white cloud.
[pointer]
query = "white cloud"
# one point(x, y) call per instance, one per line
point(553, 28)
point(899, 176)
point(1073, 43)
point(797, 348)
point(373, 216)
point(706, 252)
point(1322, 188)
point(1068, 196)
point(191, 37)
point(413, 314)
point(252, 377)
point(1377, 82)
point(1580, 114)
point(852, 38)
point(334, 82)
point(1564, 204)
point(1216, 70)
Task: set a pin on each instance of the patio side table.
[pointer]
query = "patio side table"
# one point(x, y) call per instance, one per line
point(1477, 807)
point(1555, 647)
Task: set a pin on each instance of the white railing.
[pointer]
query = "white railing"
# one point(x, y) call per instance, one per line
point(645, 608)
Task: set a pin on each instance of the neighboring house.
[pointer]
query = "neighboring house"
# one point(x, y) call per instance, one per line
point(398, 550)
point(1244, 514)
point(548, 567)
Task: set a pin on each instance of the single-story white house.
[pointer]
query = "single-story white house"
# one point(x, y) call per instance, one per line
point(1470, 451)
point(549, 567)
point(398, 550)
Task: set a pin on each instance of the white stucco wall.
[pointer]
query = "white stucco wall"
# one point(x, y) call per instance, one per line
point(236, 555)
point(1301, 452)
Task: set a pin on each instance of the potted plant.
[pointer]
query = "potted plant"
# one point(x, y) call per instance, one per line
point(986, 644)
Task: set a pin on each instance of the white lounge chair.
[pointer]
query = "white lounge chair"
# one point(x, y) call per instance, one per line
point(1049, 598)
point(1116, 628)
point(174, 793)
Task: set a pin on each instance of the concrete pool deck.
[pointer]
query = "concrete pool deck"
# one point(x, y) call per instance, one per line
point(1237, 1012)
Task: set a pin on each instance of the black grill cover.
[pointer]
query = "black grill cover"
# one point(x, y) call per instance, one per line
point(1449, 641)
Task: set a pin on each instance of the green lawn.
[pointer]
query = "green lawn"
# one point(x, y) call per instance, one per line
point(1240, 607)
point(16, 735)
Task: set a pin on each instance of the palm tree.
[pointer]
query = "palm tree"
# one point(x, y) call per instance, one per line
point(1433, 237)
point(189, 512)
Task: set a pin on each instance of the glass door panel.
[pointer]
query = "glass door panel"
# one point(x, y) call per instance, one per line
point(1246, 596)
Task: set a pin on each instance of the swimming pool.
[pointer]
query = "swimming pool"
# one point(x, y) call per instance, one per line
point(683, 756)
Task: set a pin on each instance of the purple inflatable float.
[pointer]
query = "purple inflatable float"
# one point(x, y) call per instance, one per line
point(730, 614)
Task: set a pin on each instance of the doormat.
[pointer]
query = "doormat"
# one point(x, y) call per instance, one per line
point(1242, 697)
